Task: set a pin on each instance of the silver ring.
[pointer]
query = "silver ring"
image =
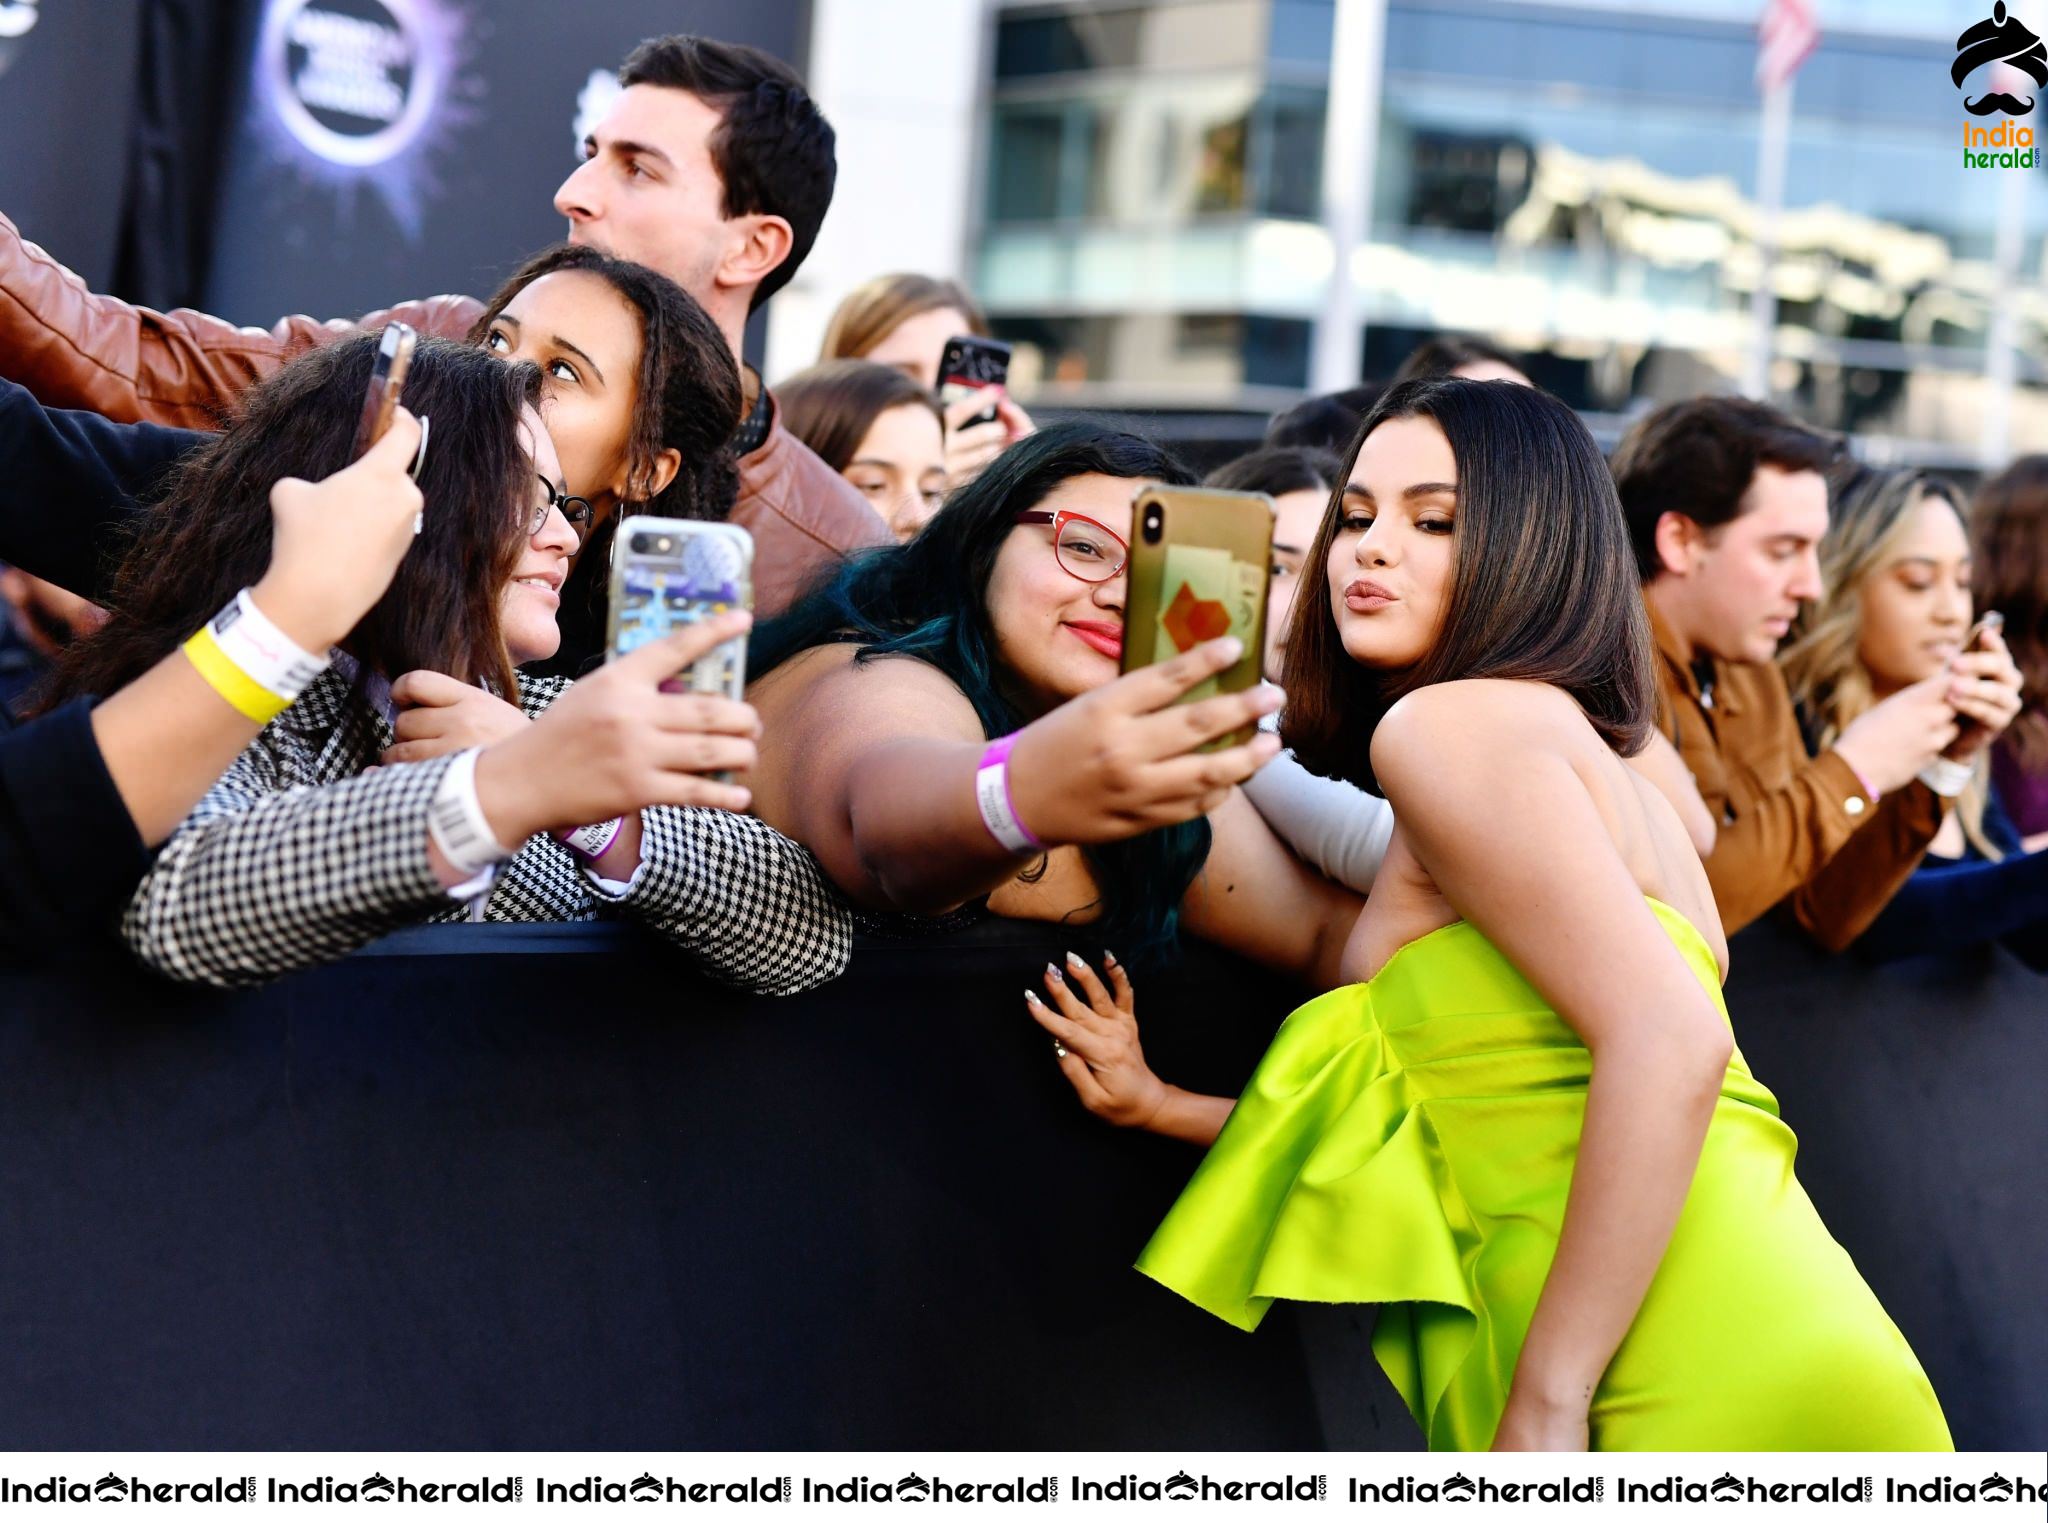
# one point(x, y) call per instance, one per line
point(1059, 1048)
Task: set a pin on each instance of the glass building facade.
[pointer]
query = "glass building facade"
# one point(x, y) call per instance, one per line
point(1577, 181)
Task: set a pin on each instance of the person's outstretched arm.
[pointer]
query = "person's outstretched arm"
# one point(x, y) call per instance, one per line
point(1949, 906)
point(87, 791)
point(1459, 761)
point(891, 753)
point(70, 483)
point(74, 347)
point(1339, 829)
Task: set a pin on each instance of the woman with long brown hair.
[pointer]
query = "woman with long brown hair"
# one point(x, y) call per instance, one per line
point(903, 321)
point(89, 788)
point(1525, 1131)
point(1900, 573)
point(308, 848)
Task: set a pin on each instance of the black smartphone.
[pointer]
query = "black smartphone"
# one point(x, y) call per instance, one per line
point(968, 364)
point(387, 385)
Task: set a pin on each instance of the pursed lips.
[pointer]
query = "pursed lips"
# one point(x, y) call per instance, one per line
point(1364, 595)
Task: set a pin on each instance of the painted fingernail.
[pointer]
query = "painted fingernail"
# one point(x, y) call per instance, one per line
point(1054, 973)
point(1031, 996)
point(1232, 648)
point(1074, 962)
point(1108, 958)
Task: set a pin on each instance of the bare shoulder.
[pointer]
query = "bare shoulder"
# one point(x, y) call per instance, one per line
point(1473, 727)
point(827, 686)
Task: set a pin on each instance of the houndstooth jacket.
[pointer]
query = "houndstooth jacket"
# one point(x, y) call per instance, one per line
point(306, 850)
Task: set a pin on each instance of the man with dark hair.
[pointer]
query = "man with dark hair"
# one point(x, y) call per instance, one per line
point(713, 166)
point(1726, 505)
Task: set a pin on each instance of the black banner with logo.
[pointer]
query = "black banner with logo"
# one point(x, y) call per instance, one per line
point(67, 71)
point(389, 149)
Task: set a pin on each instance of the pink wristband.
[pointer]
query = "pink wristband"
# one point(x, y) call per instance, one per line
point(998, 808)
point(589, 842)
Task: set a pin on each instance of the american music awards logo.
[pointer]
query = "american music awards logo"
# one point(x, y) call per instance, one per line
point(2013, 54)
point(362, 93)
point(17, 19)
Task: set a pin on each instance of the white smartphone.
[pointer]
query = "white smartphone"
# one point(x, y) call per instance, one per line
point(672, 572)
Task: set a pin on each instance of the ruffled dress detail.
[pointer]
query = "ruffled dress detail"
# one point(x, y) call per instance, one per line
point(1410, 1142)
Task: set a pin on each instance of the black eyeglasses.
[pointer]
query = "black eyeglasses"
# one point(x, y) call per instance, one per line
point(576, 509)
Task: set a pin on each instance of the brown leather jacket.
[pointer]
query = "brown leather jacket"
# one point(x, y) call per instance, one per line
point(73, 348)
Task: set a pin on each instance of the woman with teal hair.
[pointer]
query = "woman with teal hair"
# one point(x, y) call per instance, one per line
point(988, 647)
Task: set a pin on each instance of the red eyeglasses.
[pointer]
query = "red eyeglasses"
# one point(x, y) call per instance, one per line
point(1085, 550)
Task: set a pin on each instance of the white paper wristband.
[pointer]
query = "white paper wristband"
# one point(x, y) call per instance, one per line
point(266, 654)
point(456, 820)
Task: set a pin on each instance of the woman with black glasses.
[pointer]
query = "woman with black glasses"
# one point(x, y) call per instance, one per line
point(945, 727)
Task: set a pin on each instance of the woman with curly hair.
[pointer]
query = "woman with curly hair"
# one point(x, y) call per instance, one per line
point(1899, 569)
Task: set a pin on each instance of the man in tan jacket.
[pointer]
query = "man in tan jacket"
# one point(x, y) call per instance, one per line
point(713, 166)
point(1726, 504)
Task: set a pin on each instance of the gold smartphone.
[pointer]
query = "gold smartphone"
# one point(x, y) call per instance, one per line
point(387, 386)
point(1201, 563)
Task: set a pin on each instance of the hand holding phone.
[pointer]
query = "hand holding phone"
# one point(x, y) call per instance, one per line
point(668, 573)
point(1984, 686)
point(387, 386)
point(1200, 568)
point(968, 365)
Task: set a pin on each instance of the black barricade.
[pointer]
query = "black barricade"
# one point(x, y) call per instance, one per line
point(557, 1193)
point(1916, 1091)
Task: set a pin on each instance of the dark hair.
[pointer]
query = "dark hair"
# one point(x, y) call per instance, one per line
point(927, 598)
point(1447, 352)
point(870, 312)
point(211, 535)
point(688, 396)
point(2010, 530)
point(831, 407)
point(1699, 457)
point(1326, 422)
point(1277, 472)
point(773, 148)
point(1541, 585)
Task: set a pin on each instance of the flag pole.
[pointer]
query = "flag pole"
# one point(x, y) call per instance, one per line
point(1772, 145)
point(1350, 146)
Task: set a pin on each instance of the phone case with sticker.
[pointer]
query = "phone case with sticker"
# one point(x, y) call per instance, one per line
point(667, 573)
point(1201, 564)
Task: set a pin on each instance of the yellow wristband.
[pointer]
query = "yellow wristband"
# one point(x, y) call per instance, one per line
point(250, 698)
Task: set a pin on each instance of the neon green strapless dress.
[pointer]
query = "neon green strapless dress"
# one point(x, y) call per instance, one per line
point(1409, 1141)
